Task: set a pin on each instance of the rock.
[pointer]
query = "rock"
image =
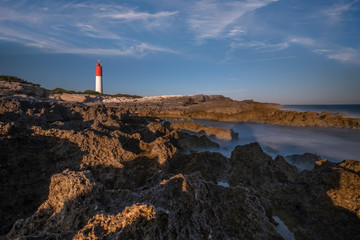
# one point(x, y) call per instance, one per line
point(75, 97)
point(188, 142)
point(350, 165)
point(305, 161)
point(135, 222)
point(185, 207)
point(103, 171)
point(252, 167)
point(14, 88)
point(212, 166)
point(220, 133)
point(310, 203)
point(67, 206)
point(322, 198)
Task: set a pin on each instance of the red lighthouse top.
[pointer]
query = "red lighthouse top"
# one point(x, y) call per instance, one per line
point(98, 69)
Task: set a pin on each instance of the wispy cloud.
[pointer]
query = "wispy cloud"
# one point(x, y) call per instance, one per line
point(336, 11)
point(96, 31)
point(270, 59)
point(214, 19)
point(52, 45)
point(343, 54)
point(138, 50)
point(77, 28)
point(132, 15)
point(331, 51)
point(260, 46)
point(302, 41)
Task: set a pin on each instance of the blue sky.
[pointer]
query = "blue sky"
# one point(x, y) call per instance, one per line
point(285, 51)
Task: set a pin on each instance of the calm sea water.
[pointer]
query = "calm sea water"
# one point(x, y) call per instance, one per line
point(334, 144)
point(351, 110)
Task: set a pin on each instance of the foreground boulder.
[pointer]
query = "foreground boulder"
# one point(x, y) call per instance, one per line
point(180, 207)
point(310, 203)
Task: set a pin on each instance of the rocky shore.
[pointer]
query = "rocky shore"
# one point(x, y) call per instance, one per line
point(74, 170)
point(213, 107)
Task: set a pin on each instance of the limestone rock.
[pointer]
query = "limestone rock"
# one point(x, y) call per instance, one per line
point(304, 161)
point(14, 88)
point(185, 207)
point(220, 133)
point(102, 171)
point(75, 97)
point(253, 167)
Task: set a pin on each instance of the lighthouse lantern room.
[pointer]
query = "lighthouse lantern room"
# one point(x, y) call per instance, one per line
point(98, 80)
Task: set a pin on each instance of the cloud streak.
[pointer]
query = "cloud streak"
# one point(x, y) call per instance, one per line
point(260, 46)
point(76, 28)
point(333, 52)
point(211, 19)
point(132, 15)
point(343, 54)
point(336, 11)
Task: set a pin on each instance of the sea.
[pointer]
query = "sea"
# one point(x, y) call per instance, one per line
point(334, 144)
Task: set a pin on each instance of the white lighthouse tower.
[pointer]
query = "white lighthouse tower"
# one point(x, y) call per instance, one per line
point(98, 80)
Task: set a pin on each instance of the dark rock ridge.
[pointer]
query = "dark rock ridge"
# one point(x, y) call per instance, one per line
point(304, 161)
point(98, 171)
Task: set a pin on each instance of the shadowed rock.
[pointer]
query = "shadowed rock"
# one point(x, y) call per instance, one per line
point(101, 171)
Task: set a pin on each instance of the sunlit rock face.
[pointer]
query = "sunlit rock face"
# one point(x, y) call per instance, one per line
point(71, 170)
point(14, 88)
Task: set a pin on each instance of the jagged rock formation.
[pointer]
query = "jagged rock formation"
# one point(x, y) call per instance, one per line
point(304, 161)
point(14, 88)
point(225, 109)
point(99, 171)
point(310, 203)
point(219, 133)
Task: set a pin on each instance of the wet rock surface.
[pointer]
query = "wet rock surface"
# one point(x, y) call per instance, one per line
point(95, 171)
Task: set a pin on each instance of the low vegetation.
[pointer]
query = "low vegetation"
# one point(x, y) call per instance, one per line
point(8, 78)
point(90, 92)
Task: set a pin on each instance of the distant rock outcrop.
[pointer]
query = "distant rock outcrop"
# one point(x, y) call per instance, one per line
point(15, 88)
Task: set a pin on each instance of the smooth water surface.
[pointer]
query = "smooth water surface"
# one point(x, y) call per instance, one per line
point(283, 230)
point(334, 144)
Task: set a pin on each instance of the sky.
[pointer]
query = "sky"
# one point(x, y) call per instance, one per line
point(283, 51)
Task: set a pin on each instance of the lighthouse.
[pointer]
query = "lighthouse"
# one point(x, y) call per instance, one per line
point(98, 80)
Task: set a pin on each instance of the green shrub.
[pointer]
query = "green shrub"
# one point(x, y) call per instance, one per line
point(61, 90)
point(8, 78)
point(91, 92)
